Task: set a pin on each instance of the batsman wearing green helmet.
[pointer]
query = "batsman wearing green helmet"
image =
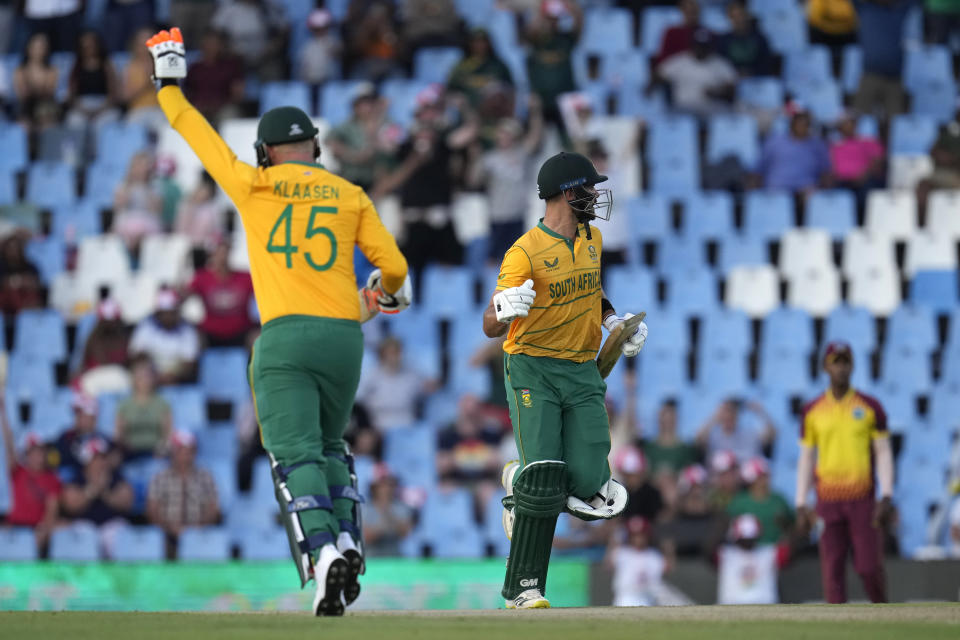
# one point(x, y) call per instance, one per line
point(550, 303)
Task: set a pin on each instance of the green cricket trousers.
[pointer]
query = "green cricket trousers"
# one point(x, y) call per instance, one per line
point(558, 413)
point(304, 374)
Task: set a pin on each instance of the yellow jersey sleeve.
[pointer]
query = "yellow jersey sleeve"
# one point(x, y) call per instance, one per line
point(515, 269)
point(379, 246)
point(233, 176)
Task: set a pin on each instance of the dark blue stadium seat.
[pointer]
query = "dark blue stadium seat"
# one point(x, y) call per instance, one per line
point(410, 453)
point(138, 544)
point(40, 333)
point(650, 216)
point(13, 141)
point(854, 325)
point(708, 215)
point(51, 184)
point(75, 543)
point(727, 328)
point(49, 255)
point(761, 92)
point(912, 134)
point(223, 374)
point(434, 64)
point(17, 544)
point(631, 287)
point(935, 290)
point(787, 328)
point(281, 94)
point(768, 214)
point(738, 249)
point(692, 292)
point(655, 22)
point(833, 210)
point(204, 544)
point(733, 134)
point(447, 524)
point(679, 253)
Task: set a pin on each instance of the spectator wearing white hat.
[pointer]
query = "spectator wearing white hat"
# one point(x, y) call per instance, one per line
point(70, 444)
point(99, 494)
point(321, 54)
point(172, 344)
point(182, 495)
point(34, 488)
point(748, 568)
point(724, 479)
point(771, 509)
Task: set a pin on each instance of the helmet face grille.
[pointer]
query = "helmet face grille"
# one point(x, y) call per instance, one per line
point(597, 204)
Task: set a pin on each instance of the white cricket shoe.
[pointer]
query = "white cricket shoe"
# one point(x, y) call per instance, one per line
point(330, 574)
point(506, 479)
point(529, 599)
point(355, 567)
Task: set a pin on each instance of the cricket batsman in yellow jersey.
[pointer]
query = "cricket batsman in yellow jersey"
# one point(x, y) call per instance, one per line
point(549, 299)
point(302, 223)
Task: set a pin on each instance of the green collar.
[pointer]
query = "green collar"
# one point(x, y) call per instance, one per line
point(306, 164)
point(553, 234)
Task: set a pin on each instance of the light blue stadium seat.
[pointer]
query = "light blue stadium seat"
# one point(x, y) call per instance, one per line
point(935, 290)
point(927, 65)
point(30, 377)
point(336, 100)
point(102, 180)
point(493, 525)
point(40, 333)
point(739, 249)
point(204, 544)
point(447, 524)
point(17, 544)
point(402, 99)
point(434, 64)
point(912, 134)
point(106, 412)
point(633, 101)
point(761, 8)
point(631, 287)
point(441, 407)
point(261, 482)
point(467, 337)
point(784, 370)
point(833, 210)
point(8, 187)
point(416, 326)
point(728, 328)
point(944, 411)
point(264, 544)
point(224, 472)
point(117, 142)
point(733, 134)
point(679, 253)
point(75, 543)
point(768, 214)
point(906, 368)
point(13, 141)
point(723, 370)
point(73, 222)
point(761, 92)
point(807, 67)
point(447, 290)
point(188, 406)
point(672, 136)
point(223, 374)
point(783, 478)
point(51, 184)
point(216, 443)
point(139, 544)
point(854, 325)
point(937, 101)
point(655, 22)
point(824, 99)
point(852, 68)
point(899, 402)
point(787, 327)
point(675, 176)
point(696, 405)
point(49, 255)
point(692, 292)
point(52, 416)
point(714, 17)
point(283, 94)
point(650, 216)
point(607, 29)
point(785, 28)
point(708, 215)
point(912, 326)
point(476, 13)
point(410, 453)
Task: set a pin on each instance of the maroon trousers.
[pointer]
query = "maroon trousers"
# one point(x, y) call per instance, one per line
point(849, 525)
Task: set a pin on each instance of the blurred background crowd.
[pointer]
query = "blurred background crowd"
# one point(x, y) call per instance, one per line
point(785, 173)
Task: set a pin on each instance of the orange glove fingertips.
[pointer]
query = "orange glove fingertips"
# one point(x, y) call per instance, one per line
point(177, 36)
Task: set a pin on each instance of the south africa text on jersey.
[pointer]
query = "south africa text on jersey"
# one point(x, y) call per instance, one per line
point(584, 282)
point(283, 189)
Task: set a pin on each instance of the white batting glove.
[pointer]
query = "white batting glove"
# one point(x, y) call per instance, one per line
point(634, 343)
point(169, 56)
point(514, 302)
point(389, 302)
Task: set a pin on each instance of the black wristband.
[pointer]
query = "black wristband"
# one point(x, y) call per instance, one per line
point(166, 82)
point(605, 306)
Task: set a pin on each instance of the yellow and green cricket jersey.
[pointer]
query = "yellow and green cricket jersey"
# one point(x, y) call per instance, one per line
point(301, 221)
point(564, 320)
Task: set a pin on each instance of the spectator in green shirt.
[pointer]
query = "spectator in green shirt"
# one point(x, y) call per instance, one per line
point(666, 452)
point(365, 145)
point(758, 499)
point(480, 72)
point(548, 63)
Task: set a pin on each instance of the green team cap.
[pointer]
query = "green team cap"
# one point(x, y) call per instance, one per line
point(565, 171)
point(285, 124)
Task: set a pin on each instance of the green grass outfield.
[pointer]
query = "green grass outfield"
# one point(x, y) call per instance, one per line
point(814, 622)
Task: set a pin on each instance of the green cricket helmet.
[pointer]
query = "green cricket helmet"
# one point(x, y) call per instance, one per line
point(574, 172)
point(283, 125)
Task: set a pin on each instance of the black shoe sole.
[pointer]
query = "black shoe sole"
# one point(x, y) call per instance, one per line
point(331, 605)
point(351, 589)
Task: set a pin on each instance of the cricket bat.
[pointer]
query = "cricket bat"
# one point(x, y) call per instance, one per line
point(610, 351)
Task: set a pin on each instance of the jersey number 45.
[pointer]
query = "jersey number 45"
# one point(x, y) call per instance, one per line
point(288, 248)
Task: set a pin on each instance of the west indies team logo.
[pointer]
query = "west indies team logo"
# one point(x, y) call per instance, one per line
point(859, 413)
point(525, 398)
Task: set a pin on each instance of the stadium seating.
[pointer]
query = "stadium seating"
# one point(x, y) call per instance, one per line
point(912, 134)
point(834, 211)
point(51, 184)
point(935, 290)
point(75, 543)
point(656, 21)
point(17, 544)
point(754, 290)
point(708, 215)
point(447, 524)
point(929, 252)
point(941, 213)
point(734, 135)
point(203, 544)
point(223, 374)
point(854, 325)
point(265, 543)
point(768, 214)
point(13, 141)
point(804, 250)
point(138, 544)
point(892, 214)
